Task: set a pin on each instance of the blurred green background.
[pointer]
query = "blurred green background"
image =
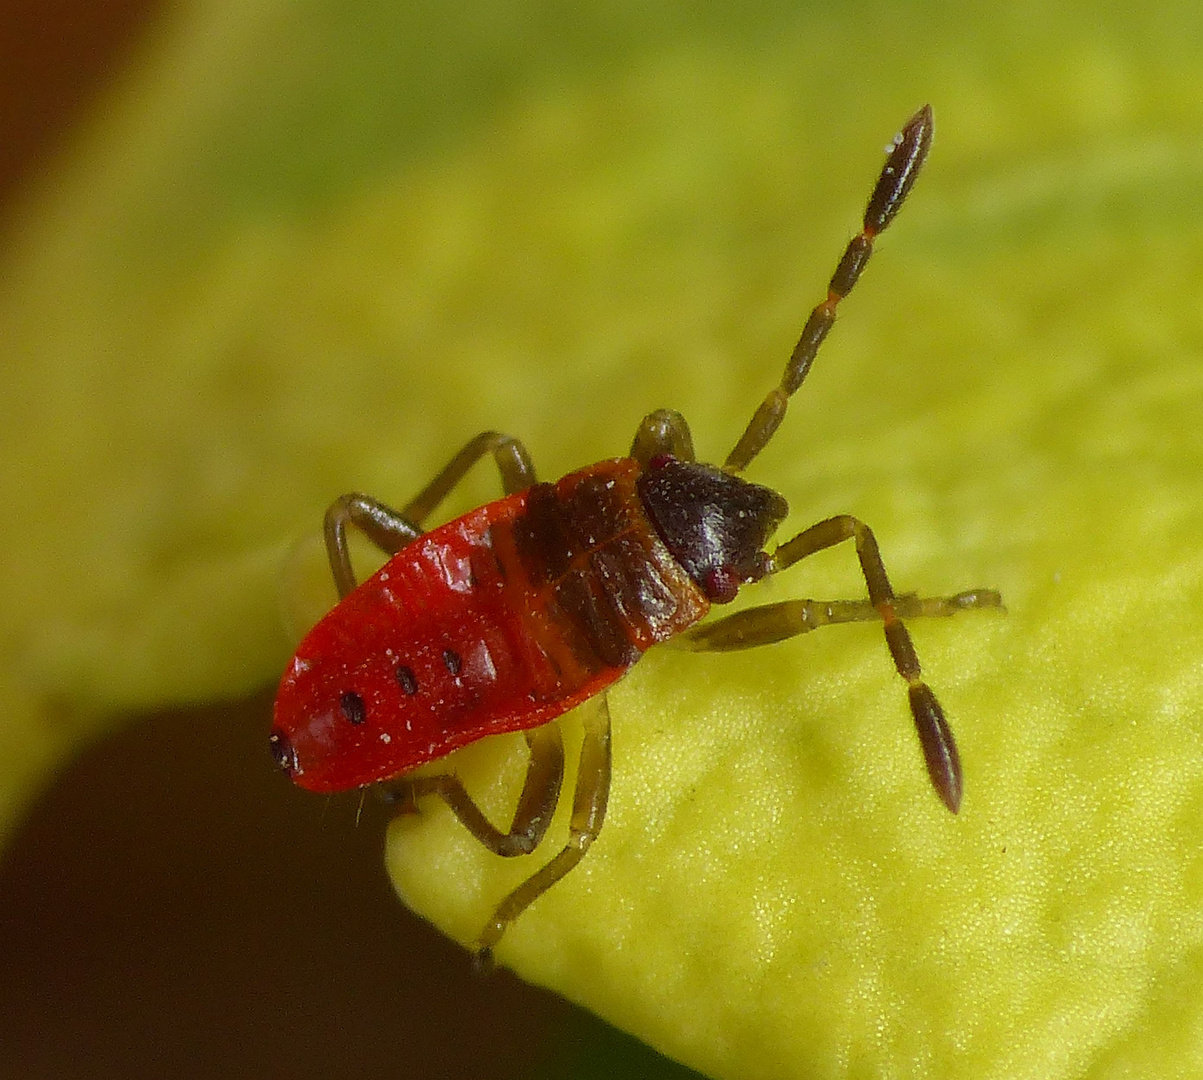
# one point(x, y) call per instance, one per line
point(278, 251)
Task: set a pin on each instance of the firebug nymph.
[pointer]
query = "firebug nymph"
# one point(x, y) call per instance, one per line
point(509, 616)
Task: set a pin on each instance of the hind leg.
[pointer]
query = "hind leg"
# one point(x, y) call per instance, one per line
point(390, 530)
point(588, 811)
point(533, 813)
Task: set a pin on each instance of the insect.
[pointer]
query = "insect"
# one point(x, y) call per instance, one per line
point(523, 609)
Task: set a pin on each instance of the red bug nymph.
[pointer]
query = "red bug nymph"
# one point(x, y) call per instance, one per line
point(511, 615)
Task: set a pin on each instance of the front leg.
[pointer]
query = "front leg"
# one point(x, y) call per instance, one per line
point(935, 736)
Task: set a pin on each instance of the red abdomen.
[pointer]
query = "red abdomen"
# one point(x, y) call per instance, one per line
point(497, 621)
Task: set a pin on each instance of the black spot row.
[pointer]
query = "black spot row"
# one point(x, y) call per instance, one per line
point(353, 707)
point(407, 680)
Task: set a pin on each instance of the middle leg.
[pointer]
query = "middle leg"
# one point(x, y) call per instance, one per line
point(664, 431)
point(769, 623)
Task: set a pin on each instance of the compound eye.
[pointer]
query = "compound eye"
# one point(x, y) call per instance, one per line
point(721, 584)
point(282, 751)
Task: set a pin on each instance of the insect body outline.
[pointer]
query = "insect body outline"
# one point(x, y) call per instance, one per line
point(514, 613)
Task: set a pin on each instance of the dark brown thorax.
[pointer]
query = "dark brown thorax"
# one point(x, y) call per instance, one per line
point(597, 582)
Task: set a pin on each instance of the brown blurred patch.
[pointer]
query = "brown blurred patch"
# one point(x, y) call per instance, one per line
point(55, 55)
point(174, 907)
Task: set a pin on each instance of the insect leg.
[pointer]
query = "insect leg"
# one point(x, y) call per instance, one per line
point(536, 804)
point(662, 432)
point(935, 736)
point(387, 529)
point(768, 623)
point(893, 185)
point(390, 530)
point(513, 462)
point(588, 811)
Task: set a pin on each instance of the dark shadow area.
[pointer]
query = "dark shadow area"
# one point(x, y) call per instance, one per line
point(55, 57)
point(173, 907)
